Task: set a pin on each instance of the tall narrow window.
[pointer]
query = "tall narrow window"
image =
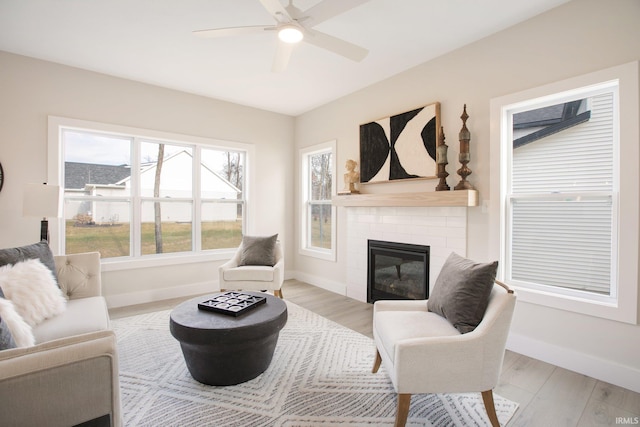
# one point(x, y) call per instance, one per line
point(318, 219)
point(564, 211)
point(221, 189)
point(97, 200)
point(562, 193)
point(166, 197)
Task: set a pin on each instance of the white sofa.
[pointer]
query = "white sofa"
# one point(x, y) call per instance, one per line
point(70, 376)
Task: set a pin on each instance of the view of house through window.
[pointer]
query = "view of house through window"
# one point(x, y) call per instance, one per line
point(133, 196)
point(561, 210)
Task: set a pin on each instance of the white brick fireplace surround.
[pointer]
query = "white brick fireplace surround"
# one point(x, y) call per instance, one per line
point(444, 229)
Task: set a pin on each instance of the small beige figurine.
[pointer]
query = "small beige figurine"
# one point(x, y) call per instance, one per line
point(351, 178)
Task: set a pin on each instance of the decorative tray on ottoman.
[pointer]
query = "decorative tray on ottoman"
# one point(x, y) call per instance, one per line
point(232, 303)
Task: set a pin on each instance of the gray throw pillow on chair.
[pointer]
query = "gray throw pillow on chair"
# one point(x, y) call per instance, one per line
point(258, 250)
point(461, 292)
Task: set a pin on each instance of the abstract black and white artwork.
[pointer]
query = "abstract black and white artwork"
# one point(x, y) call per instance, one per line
point(401, 146)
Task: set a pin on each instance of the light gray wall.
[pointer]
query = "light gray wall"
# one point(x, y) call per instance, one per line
point(31, 90)
point(574, 39)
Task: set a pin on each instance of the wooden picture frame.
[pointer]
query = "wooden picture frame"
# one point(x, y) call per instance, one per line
point(400, 147)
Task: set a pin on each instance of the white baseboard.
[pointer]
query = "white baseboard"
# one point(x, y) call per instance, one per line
point(601, 369)
point(329, 285)
point(152, 295)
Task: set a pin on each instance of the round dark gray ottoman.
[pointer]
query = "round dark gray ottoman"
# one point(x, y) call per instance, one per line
point(220, 349)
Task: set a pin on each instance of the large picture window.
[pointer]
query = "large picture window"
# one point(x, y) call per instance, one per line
point(131, 195)
point(318, 186)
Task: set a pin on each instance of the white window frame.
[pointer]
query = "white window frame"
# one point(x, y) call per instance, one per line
point(55, 173)
point(623, 302)
point(305, 247)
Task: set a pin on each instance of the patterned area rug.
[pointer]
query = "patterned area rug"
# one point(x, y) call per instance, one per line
point(320, 376)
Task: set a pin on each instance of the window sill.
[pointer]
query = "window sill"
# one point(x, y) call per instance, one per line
point(324, 255)
point(623, 310)
point(120, 264)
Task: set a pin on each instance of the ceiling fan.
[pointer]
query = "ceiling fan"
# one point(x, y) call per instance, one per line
point(294, 25)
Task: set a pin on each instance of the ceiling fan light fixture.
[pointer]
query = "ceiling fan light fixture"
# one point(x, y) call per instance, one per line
point(290, 34)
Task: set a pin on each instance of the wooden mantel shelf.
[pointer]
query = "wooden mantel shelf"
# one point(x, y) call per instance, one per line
point(427, 198)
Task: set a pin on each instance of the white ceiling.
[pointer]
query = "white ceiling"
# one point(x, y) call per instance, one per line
point(151, 41)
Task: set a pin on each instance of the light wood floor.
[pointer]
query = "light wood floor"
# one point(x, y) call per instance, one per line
point(548, 395)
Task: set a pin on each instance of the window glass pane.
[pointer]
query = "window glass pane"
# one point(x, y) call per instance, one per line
point(166, 170)
point(100, 194)
point(96, 164)
point(221, 225)
point(562, 217)
point(97, 226)
point(320, 226)
point(166, 227)
point(222, 174)
point(563, 243)
point(320, 179)
point(570, 153)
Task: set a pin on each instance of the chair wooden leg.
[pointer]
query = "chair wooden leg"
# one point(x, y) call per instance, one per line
point(489, 406)
point(404, 401)
point(278, 293)
point(377, 362)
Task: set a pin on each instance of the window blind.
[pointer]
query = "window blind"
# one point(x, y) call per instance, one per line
point(561, 206)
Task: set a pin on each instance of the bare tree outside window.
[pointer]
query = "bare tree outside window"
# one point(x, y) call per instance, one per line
point(321, 184)
point(232, 169)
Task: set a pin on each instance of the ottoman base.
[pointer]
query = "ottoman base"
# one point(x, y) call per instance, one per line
point(229, 364)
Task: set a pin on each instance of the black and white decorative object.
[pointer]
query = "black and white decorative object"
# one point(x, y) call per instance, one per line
point(401, 146)
point(232, 303)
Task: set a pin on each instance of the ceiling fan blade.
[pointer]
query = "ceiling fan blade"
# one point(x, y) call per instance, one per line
point(283, 53)
point(328, 9)
point(336, 45)
point(276, 10)
point(232, 31)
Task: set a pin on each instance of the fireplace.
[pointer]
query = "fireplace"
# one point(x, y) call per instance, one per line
point(397, 271)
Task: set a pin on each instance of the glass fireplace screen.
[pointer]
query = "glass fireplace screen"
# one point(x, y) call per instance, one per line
point(397, 271)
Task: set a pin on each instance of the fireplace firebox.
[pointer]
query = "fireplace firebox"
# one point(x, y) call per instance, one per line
point(397, 271)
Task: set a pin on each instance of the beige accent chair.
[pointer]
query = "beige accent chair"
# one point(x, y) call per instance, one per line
point(70, 376)
point(423, 353)
point(234, 277)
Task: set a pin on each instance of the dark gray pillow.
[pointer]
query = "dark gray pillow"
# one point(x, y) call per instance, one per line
point(258, 250)
point(461, 292)
point(38, 250)
point(6, 339)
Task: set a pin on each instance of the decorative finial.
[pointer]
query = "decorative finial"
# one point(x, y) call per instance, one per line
point(464, 156)
point(441, 161)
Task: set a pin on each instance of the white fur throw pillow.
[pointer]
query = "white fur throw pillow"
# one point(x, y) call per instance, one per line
point(32, 289)
point(20, 331)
